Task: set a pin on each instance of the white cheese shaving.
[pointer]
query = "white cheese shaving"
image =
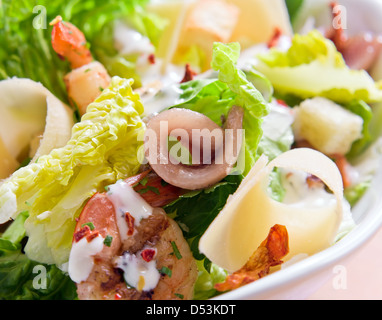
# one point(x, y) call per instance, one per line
point(29, 111)
point(249, 213)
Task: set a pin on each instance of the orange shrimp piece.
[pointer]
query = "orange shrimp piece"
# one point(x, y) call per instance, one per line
point(69, 42)
point(267, 255)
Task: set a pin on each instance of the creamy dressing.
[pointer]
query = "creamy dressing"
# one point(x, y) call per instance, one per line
point(81, 258)
point(298, 194)
point(137, 272)
point(278, 123)
point(165, 98)
point(124, 200)
point(129, 41)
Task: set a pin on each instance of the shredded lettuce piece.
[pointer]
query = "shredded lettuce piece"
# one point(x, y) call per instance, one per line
point(103, 148)
point(312, 66)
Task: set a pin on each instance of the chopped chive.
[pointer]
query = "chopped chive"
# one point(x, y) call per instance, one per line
point(153, 189)
point(100, 89)
point(179, 295)
point(90, 224)
point(166, 271)
point(176, 250)
point(148, 188)
point(87, 70)
point(144, 181)
point(108, 240)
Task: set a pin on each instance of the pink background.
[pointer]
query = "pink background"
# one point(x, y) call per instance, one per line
point(363, 275)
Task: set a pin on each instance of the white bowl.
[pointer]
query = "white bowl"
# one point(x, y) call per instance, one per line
point(298, 281)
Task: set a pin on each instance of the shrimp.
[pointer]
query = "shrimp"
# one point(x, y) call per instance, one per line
point(267, 255)
point(88, 77)
point(151, 261)
point(69, 42)
point(86, 83)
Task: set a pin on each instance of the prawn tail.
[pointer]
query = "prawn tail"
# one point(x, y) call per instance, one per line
point(70, 43)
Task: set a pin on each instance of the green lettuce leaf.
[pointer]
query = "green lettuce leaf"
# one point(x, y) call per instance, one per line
point(103, 148)
point(208, 276)
point(24, 279)
point(362, 109)
point(313, 67)
point(10, 240)
point(224, 61)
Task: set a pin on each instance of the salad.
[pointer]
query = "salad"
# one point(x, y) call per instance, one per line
point(172, 149)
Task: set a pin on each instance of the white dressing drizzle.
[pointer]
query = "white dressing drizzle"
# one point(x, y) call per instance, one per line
point(137, 272)
point(298, 194)
point(124, 200)
point(81, 258)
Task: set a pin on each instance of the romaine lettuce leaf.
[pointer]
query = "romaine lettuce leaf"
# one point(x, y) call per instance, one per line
point(103, 148)
point(366, 113)
point(204, 286)
point(312, 66)
point(224, 60)
point(10, 240)
point(23, 279)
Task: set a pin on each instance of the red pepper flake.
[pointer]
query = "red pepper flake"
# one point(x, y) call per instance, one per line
point(151, 58)
point(282, 103)
point(148, 254)
point(84, 231)
point(275, 38)
point(189, 74)
point(93, 235)
point(117, 296)
point(130, 223)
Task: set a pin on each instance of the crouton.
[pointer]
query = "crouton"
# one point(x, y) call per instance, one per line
point(327, 126)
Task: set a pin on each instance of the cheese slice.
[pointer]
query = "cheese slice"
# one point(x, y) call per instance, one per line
point(249, 213)
point(32, 123)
